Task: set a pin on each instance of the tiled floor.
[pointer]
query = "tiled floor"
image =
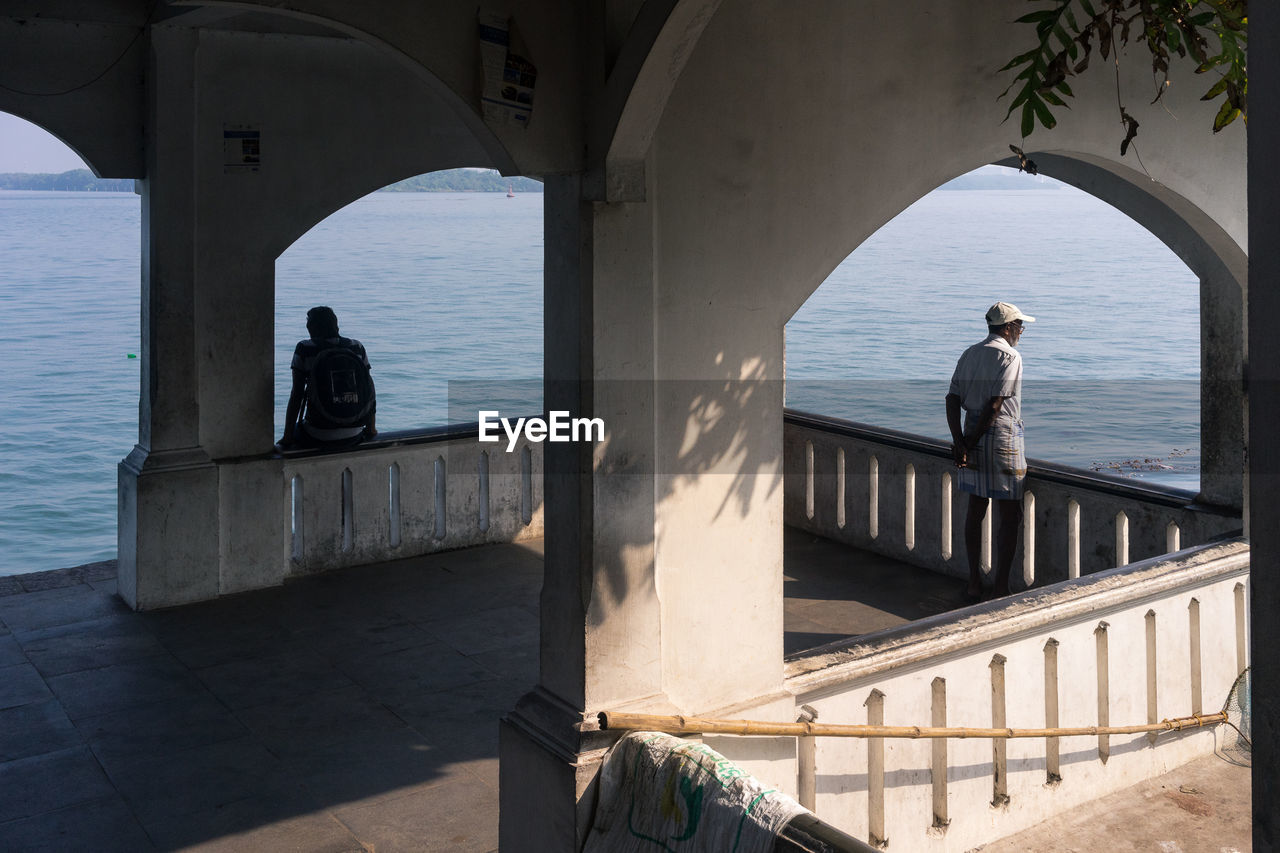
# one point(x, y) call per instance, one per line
point(833, 592)
point(1201, 807)
point(350, 711)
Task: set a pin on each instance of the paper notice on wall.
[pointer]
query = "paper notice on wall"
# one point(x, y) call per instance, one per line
point(241, 148)
point(509, 76)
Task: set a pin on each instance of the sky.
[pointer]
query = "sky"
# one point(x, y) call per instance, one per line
point(25, 147)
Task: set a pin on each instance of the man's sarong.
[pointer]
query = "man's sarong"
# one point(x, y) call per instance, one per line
point(998, 465)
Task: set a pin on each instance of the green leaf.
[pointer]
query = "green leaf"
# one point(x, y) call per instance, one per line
point(1225, 116)
point(1215, 90)
point(1042, 113)
point(1067, 41)
point(1170, 31)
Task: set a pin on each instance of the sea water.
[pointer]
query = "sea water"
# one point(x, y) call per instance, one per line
point(447, 288)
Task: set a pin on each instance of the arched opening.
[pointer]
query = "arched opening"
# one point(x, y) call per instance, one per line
point(1111, 396)
point(69, 244)
point(1111, 367)
point(442, 285)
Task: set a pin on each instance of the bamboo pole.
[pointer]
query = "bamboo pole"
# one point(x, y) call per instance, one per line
point(697, 725)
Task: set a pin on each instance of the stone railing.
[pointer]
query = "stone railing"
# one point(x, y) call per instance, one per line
point(895, 494)
point(1158, 639)
point(408, 494)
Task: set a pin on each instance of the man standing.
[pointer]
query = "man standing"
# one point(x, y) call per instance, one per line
point(332, 403)
point(989, 449)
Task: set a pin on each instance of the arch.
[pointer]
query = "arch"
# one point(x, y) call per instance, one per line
point(388, 250)
point(404, 116)
point(78, 78)
point(658, 45)
point(1219, 263)
point(1208, 250)
point(843, 126)
point(433, 77)
point(1222, 266)
point(79, 147)
point(107, 143)
point(1190, 233)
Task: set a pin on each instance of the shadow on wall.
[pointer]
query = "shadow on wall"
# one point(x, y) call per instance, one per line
point(702, 452)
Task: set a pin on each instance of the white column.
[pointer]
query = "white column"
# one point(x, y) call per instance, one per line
point(663, 573)
point(1222, 390)
point(207, 328)
point(168, 487)
point(601, 633)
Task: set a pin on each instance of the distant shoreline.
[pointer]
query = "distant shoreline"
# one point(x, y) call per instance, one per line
point(450, 181)
point(446, 181)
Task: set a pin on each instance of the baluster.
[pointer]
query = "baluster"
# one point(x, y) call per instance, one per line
point(1193, 632)
point(939, 763)
point(348, 513)
point(441, 491)
point(393, 504)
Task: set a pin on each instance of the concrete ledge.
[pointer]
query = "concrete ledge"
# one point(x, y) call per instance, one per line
point(101, 571)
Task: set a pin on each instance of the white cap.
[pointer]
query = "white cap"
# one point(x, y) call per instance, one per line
point(1006, 312)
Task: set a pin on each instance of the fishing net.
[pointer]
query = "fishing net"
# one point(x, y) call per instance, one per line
point(1236, 745)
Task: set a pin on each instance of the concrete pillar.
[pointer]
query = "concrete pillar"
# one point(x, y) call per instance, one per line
point(168, 486)
point(601, 632)
point(207, 350)
point(663, 573)
point(1264, 420)
point(1222, 390)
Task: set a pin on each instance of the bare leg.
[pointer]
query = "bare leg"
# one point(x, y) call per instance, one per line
point(973, 542)
point(1009, 522)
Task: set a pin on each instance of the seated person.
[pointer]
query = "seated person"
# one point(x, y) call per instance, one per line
point(332, 403)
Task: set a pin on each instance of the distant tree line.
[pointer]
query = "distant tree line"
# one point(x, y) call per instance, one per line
point(77, 180)
point(998, 181)
point(447, 181)
point(464, 181)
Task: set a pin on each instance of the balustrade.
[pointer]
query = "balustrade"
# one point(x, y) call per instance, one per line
point(1153, 640)
point(408, 494)
point(895, 494)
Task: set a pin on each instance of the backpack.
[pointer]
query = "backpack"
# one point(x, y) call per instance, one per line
point(339, 388)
